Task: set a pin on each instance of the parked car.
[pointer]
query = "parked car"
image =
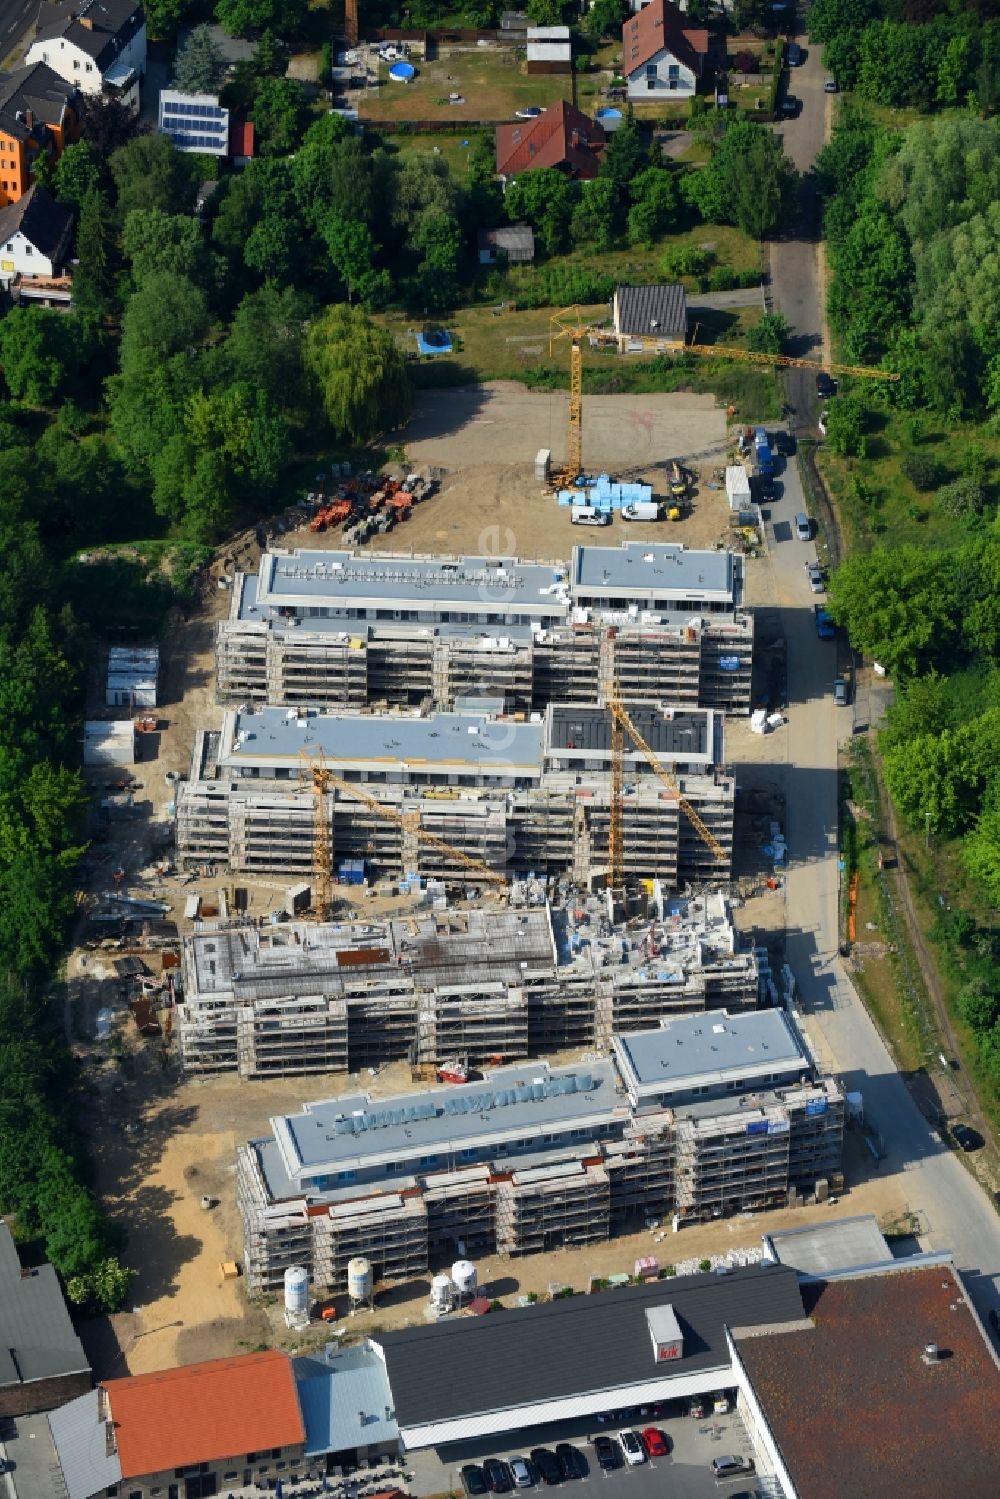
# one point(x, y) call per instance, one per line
point(654, 1442)
point(571, 1461)
point(825, 627)
point(608, 1454)
point(826, 385)
point(840, 692)
point(731, 1467)
point(784, 443)
point(803, 527)
point(547, 1464)
point(521, 1473)
point(790, 106)
point(632, 1449)
point(815, 575)
point(529, 112)
point(821, 424)
point(793, 55)
point(473, 1480)
point(497, 1475)
point(965, 1138)
point(829, 84)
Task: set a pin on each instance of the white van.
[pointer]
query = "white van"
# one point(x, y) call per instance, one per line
point(589, 515)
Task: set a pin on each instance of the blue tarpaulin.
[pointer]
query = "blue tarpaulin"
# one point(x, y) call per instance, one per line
point(434, 341)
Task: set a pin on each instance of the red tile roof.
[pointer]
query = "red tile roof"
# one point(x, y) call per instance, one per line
point(852, 1405)
point(660, 24)
point(241, 138)
point(202, 1412)
point(561, 137)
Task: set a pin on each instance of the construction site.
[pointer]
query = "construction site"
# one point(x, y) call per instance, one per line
point(483, 986)
point(338, 629)
point(590, 794)
point(698, 1117)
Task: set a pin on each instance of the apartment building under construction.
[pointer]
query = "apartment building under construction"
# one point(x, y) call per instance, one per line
point(488, 986)
point(342, 630)
point(528, 796)
point(702, 1116)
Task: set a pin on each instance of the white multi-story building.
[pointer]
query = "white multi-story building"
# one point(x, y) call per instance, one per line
point(98, 45)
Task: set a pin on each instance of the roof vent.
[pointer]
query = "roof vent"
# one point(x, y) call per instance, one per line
point(931, 1354)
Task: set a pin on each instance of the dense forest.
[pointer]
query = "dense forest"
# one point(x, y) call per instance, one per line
point(913, 228)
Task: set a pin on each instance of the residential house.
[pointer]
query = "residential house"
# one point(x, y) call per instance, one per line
point(662, 53)
point(35, 237)
point(42, 1362)
point(194, 122)
point(645, 312)
point(516, 242)
point(184, 1433)
point(98, 45)
point(39, 116)
point(562, 137)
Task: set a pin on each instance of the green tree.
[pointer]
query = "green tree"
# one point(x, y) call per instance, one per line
point(165, 316)
point(980, 852)
point(279, 114)
point(846, 424)
point(151, 173)
point(94, 277)
point(35, 351)
point(979, 1004)
point(79, 171)
point(270, 58)
point(353, 253)
point(200, 66)
point(546, 199)
point(769, 335)
point(359, 373)
point(273, 248)
point(654, 206)
point(830, 18)
point(749, 181)
point(900, 606)
point(251, 17)
point(625, 156)
point(102, 1289)
point(173, 244)
point(605, 18)
point(265, 342)
point(595, 216)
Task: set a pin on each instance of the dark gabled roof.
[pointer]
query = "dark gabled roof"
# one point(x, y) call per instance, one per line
point(652, 311)
point(100, 28)
point(855, 1410)
point(662, 25)
point(562, 136)
point(38, 89)
point(36, 1335)
point(44, 223)
point(576, 1346)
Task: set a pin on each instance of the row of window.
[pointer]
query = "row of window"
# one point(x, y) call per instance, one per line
point(476, 1153)
point(89, 67)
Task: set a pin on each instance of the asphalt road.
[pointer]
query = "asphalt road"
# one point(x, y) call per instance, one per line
point(16, 19)
point(795, 279)
point(953, 1209)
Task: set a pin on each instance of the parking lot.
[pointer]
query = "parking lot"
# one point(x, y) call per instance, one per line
point(686, 1472)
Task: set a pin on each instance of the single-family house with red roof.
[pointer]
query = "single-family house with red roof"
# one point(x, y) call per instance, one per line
point(662, 53)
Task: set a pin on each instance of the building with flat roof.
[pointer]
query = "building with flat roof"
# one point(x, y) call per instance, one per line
point(133, 676)
point(334, 628)
point(530, 1158)
point(888, 1386)
point(522, 795)
point(306, 998)
point(693, 1057)
point(346, 1404)
point(819, 1248)
point(42, 1362)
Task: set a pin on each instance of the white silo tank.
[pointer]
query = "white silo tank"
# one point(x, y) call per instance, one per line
point(360, 1280)
point(441, 1291)
point(297, 1291)
point(463, 1273)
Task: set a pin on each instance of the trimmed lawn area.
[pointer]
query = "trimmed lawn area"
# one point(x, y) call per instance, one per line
point(493, 83)
point(878, 503)
point(448, 146)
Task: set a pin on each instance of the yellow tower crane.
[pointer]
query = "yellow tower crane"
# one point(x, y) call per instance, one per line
point(313, 773)
point(621, 724)
point(571, 324)
point(323, 779)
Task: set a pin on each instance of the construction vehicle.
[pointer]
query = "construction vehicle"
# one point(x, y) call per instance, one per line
point(621, 724)
point(323, 779)
point(570, 324)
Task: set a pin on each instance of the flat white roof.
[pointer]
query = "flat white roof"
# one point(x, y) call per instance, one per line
point(694, 1050)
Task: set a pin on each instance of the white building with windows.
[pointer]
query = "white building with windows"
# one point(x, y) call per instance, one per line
point(98, 45)
point(194, 122)
point(662, 53)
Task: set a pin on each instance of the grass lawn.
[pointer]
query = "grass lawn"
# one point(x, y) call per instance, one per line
point(450, 147)
point(493, 83)
point(876, 501)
